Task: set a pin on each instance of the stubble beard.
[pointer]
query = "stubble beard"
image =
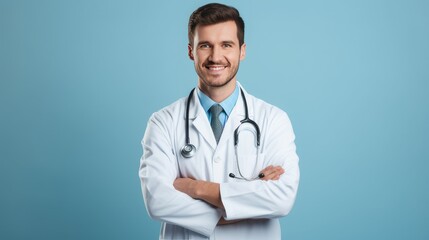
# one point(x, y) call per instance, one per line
point(218, 84)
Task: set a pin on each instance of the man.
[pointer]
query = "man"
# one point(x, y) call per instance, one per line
point(194, 178)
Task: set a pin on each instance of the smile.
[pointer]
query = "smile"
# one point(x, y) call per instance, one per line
point(215, 68)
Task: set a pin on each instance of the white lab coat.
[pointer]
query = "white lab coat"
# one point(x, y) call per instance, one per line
point(259, 203)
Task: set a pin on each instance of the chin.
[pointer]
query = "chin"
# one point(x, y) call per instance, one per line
point(218, 82)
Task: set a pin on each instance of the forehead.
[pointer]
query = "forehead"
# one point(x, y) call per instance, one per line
point(225, 31)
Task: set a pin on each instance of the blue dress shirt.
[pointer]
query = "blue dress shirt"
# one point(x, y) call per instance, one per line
point(227, 104)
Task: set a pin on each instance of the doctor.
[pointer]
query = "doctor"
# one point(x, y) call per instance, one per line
point(205, 173)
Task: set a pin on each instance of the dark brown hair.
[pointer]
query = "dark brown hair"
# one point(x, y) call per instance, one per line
point(213, 13)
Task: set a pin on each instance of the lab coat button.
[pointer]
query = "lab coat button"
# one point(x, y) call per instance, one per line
point(217, 159)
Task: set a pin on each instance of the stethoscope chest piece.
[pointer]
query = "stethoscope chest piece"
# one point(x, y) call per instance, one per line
point(188, 150)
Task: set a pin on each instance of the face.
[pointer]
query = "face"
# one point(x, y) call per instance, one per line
point(216, 53)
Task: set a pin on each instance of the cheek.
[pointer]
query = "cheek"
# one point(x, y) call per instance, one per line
point(235, 56)
point(199, 59)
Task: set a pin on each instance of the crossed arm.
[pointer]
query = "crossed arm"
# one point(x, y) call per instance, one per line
point(175, 204)
point(210, 191)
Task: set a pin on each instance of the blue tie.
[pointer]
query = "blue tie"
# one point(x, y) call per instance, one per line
point(215, 123)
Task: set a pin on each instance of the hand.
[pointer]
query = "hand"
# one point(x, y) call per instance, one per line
point(222, 221)
point(272, 173)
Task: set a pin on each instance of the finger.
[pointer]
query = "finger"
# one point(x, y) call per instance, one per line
point(276, 178)
point(271, 169)
point(279, 173)
point(261, 174)
point(267, 168)
point(273, 173)
point(265, 171)
point(271, 176)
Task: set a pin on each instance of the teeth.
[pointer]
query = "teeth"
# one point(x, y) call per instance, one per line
point(216, 68)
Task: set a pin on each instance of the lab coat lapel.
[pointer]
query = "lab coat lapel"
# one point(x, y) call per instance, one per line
point(200, 121)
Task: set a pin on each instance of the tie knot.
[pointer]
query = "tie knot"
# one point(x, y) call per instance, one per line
point(216, 109)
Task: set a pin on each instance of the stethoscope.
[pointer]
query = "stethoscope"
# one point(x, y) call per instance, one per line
point(189, 149)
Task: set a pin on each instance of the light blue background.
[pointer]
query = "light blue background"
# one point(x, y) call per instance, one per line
point(79, 80)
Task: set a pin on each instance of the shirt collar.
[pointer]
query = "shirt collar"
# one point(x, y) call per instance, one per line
point(227, 104)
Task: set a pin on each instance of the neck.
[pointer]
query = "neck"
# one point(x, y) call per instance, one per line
point(218, 94)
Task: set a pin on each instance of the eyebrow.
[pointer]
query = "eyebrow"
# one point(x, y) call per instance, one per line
point(203, 42)
point(228, 42)
point(223, 42)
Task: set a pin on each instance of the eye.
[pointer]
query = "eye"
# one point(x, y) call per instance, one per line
point(227, 45)
point(204, 46)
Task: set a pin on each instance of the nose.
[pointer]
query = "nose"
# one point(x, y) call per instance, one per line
point(216, 54)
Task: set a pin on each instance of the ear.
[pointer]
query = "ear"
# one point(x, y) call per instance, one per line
point(242, 51)
point(190, 54)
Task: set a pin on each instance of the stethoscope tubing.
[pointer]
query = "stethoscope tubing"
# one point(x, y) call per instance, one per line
point(188, 150)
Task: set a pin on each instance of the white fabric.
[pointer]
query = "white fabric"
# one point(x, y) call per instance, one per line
point(259, 202)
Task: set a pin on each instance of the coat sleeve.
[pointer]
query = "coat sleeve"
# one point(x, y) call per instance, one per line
point(158, 170)
point(267, 199)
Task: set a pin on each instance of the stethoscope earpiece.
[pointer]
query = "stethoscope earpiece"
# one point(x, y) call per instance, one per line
point(188, 150)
